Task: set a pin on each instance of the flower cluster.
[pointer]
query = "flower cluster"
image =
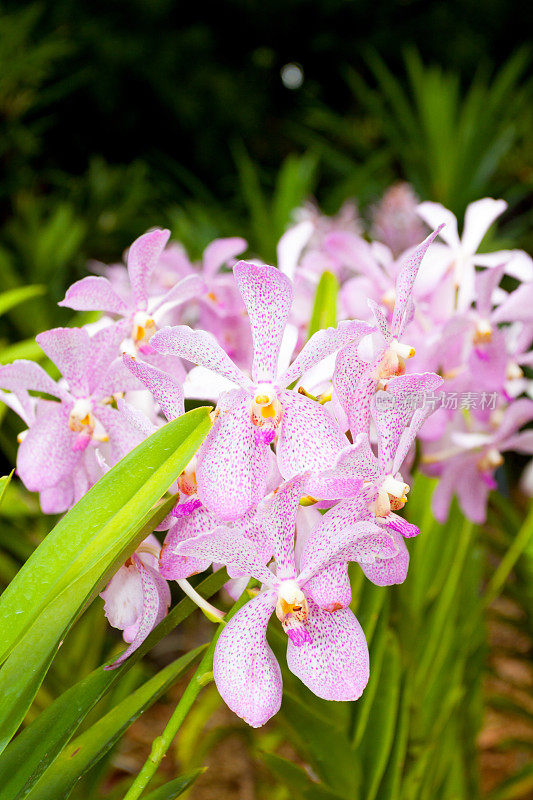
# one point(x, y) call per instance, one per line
point(308, 458)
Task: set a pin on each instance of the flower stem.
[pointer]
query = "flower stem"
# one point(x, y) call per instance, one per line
point(213, 614)
point(202, 676)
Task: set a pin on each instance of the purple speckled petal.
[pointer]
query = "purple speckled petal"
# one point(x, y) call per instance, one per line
point(219, 252)
point(355, 464)
point(393, 412)
point(354, 381)
point(330, 589)
point(309, 436)
point(389, 571)
point(380, 319)
point(276, 517)
point(396, 523)
point(174, 566)
point(246, 672)
point(227, 546)
point(200, 347)
point(232, 464)
point(156, 600)
point(404, 284)
point(70, 350)
point(122, 437)
point(267, 295)
point(344, 535)
point(25, 375)
point(45, 455)
point(105, 347)
point(165, 390)
point(322, 344)
point(94, 293)
point(143, 256)
point(334, 664)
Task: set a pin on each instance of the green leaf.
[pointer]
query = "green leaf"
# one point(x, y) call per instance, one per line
point(325, 745)
point(377, 742)
point(14, 297)
point(324, 313)
point(297, 780)
point(85, 751)
point(95, 526)
point(5, 480)
point(175, 788)
point(28, 662)
point(30, 753)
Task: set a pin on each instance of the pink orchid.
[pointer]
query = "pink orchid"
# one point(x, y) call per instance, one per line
point(58, 454)
point(137, 598)
point(466, 458)
point(459, 255)
point(233, 461)
point(138, 314)
point(362, 367)
point(395, 221)
point(326, 650)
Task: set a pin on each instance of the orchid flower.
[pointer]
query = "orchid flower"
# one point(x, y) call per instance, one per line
point(233, 461)
point(137, 598)
point(326, 650)
point(138, 314)
point(394, 219)
point(363, 366)
point(466, 458)
point(57, 454)
point(459, 254)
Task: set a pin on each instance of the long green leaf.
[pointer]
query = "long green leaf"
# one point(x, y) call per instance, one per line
point(14, 297)
point(95, 526)
point(38, 745)
point(175, 788)
point(324, 313)
point(5, 480)
point(84, 751)
point(297, 780)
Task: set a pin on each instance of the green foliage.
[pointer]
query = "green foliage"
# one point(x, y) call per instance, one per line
point(324, 314)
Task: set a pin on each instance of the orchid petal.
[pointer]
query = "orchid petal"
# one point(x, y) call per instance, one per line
point(405, 281)
point(189, 288)
point(227, 546)
point(334, 664)
point(165, 390)
point(219, 252)
point(142, 259)
point(276, 516)
point(174, 566)
point(322, 344)
point(45, 455)
point(434, 215)
point(94, 293)
point(200, 347)
point(309, 436)
point(246, 672)
point(156, 600)
point(70, 350)
point(232, 463)
point(267, 295)
point(479, 217)
point(24, 375)
point(330, 588)
point(389, 571)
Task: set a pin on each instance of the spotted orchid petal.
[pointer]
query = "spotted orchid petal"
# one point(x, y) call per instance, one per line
point(267, 295)
point(344, 535)
point(354, 381)
point(155, 603)
point(94, 293)
point(174, 566)
point(355, 464)
point(164, 388)
point(334, 663)
point(309, 436)
point(276, 519)
point(200, 348)
point(70, 350)
point(245, 669)
point(227, 546)
point(189, 288)
point(322, 344)
point(330, 588)
point(142, 259)
point(389, 571)
point(393, 412)
point(219, 252)
point(26, 376)
point(233, 462)
point(46, 453)
point(405, 281)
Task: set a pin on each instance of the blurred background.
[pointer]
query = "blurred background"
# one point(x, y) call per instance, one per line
point(221, 119)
